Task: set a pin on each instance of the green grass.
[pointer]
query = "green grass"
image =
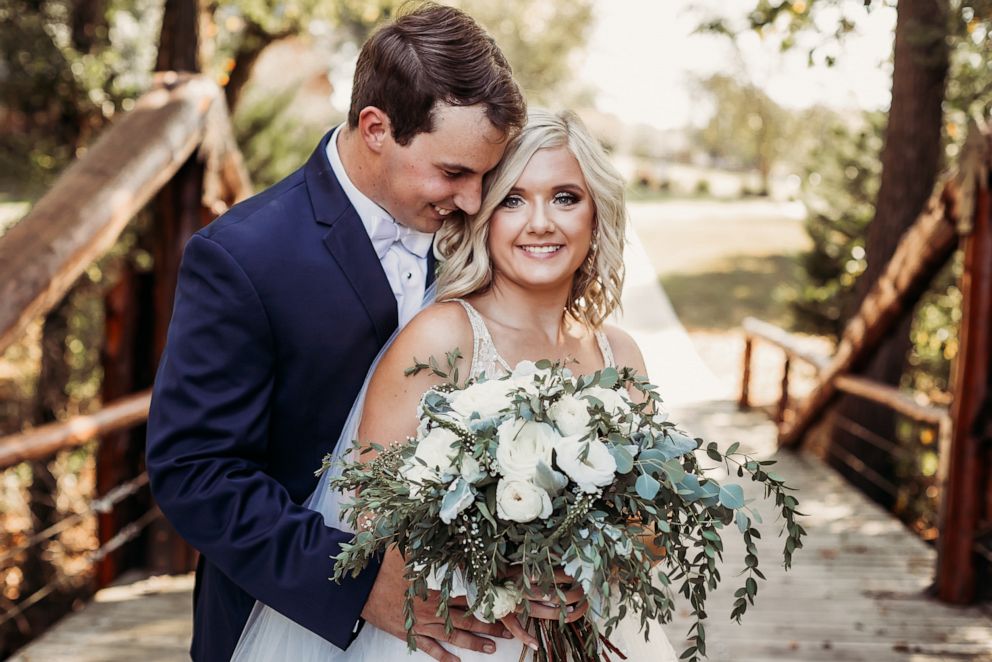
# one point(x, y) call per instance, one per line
point(733, 288)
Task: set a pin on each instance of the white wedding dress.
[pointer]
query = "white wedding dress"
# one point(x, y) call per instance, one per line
point(268, 635)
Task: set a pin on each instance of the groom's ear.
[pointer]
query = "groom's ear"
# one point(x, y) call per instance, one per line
point(374, 128)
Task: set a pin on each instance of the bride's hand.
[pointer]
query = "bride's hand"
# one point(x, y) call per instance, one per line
point(384, 610)
point(550, 607)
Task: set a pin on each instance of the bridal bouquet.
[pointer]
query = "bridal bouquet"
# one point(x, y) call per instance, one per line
point(511, 479)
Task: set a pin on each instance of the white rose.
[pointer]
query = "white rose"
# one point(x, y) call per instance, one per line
point(614, 402)
point(571, 415)
point(418, 475)
point(438, 449)
point(522, 444)
point(487, 399)
point(521, 501)
point(595, 471)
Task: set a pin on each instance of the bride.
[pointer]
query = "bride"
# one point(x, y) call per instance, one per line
point(533, 275)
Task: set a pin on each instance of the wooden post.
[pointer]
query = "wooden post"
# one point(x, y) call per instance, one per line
point(119, 457)
point(783, 400)
point(745, 400)
point(966, 500)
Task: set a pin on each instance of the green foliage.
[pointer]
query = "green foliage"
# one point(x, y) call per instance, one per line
point(64, 76)
point(840, 181)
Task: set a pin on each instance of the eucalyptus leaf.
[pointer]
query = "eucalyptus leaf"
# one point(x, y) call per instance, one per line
point(732, 496)
point(624, 460)
point(647, 486)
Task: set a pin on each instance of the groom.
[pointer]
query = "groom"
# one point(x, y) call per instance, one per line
point(281, 306)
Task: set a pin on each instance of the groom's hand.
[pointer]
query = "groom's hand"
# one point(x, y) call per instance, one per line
point(384, 610)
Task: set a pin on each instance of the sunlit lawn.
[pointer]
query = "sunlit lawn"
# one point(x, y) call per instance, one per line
point(733, 288)
point(720, 262)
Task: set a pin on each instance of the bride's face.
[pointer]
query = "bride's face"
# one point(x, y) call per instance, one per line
point(541, 232)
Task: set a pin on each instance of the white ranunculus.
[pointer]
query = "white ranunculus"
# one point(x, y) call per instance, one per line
point(571, 415)
point(521, 501)
point(522, 444)
point(613, 401)
point(471, 470)
point(417, 475)
point(438, 449)
point(595, 471)
point(487, 399)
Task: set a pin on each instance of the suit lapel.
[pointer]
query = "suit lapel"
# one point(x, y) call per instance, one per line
point(348, 242)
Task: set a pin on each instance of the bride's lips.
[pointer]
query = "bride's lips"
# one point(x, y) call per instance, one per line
point(541, 251)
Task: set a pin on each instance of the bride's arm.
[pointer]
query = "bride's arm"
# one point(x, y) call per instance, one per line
point(390, 412)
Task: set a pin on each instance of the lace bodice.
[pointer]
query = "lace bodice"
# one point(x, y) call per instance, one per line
point(486, 359)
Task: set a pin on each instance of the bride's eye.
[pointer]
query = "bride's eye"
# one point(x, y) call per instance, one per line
point(566, 198)
point(511, 202)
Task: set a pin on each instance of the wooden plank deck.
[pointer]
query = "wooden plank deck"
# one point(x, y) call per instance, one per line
point(856, 592)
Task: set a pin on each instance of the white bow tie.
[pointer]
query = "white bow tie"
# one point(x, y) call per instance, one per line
point(387, 232)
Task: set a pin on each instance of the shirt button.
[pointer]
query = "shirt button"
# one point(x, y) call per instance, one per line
point(408, 275)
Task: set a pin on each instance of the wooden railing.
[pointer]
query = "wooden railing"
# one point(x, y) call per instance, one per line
point(176, 142)
point(958, 215)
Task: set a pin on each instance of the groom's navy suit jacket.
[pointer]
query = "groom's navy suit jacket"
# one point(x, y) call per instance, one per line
point(280, 309)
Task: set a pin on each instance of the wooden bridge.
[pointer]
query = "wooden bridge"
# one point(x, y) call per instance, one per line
point(864, 588)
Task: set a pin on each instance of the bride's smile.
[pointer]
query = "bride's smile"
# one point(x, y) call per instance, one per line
point(542, 230)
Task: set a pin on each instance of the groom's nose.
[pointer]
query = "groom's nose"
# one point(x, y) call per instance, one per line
point(469, 194)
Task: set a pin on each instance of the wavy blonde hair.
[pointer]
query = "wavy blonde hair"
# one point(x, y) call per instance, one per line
point(462, 245)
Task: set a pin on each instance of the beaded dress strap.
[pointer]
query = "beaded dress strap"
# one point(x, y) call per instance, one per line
point(485, 357)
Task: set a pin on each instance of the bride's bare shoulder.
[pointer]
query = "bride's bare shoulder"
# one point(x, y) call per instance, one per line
point(625, 349)
point(434, 331)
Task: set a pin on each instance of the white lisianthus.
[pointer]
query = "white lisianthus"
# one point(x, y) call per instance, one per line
point(595, 471)
point(522, 444)
point(521, 501)
point(571, 415)
point(438, 449)
point(614, 402)
point(471, 470)
point(417, 475)
point(487, 399)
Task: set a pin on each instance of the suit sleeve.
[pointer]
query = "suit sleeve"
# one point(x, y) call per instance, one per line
point(207, 444)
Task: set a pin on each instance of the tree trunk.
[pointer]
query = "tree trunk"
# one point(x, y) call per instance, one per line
point(911, 160)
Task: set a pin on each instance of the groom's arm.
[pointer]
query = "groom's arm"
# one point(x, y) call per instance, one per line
point(207, 446)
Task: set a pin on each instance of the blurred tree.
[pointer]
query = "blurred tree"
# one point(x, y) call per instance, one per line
point(841, 167)
point(747, 128)
point(65, 67)
point(538, 37)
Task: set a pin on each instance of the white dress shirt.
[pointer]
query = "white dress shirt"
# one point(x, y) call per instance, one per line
point(396, 245)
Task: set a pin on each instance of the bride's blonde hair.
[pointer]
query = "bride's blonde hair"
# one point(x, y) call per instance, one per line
point(462, 245)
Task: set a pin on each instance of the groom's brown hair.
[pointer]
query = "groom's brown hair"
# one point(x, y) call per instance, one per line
point(429, 55)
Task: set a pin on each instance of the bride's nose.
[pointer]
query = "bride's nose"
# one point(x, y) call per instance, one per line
point(540, 222)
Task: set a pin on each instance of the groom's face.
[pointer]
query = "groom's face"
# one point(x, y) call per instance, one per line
point(438, 175)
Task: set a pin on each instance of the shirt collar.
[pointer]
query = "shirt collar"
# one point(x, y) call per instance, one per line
point(370, 213)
